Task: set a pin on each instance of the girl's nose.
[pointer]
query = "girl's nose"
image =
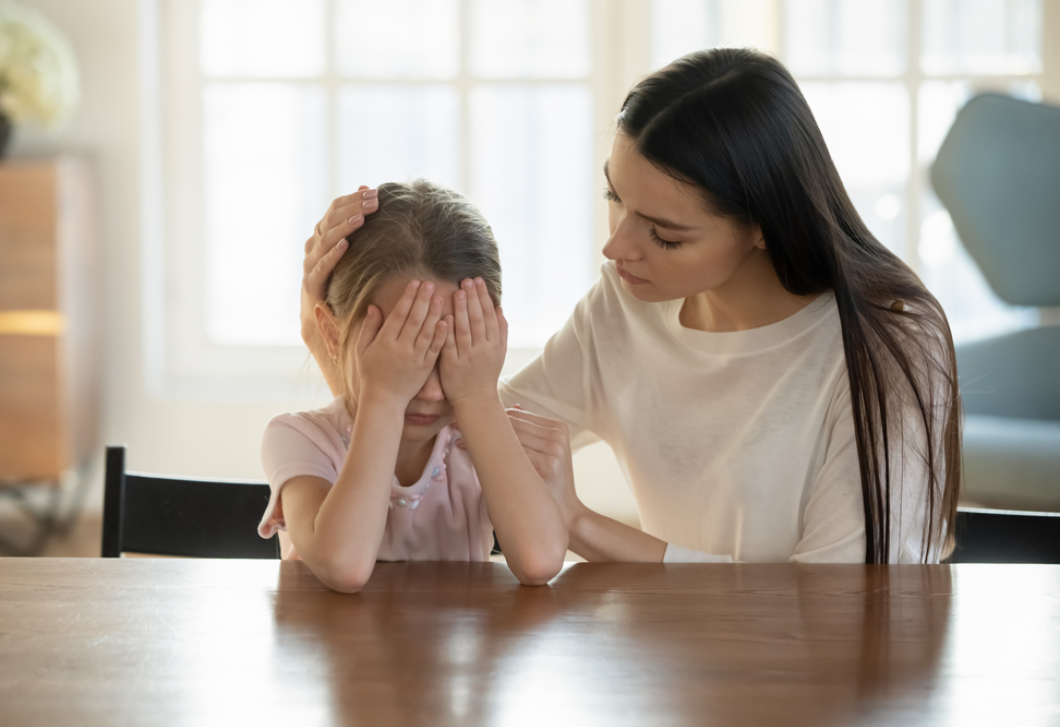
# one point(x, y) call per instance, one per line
point(432, 388)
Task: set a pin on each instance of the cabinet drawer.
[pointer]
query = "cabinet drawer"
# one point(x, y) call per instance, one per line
point(31, 441)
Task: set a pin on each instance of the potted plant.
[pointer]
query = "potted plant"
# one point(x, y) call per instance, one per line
point(38, 71)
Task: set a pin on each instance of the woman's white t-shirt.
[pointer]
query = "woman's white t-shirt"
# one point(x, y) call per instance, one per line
point(738, 446)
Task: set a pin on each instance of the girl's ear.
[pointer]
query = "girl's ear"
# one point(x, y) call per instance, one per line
point(329, 329)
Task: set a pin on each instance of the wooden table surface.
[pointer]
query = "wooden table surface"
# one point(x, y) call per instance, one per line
point(192, 642)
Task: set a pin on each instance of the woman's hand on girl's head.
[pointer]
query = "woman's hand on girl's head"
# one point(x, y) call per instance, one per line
point(322, 253)
point(475, 345)
point(395, 357)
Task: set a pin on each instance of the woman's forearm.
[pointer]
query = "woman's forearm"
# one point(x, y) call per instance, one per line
point(527, 519)
point(598, 538)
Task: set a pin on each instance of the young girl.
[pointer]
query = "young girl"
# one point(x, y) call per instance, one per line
point(381, 473)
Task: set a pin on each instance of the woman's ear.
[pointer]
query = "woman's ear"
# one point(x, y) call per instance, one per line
point(756, 235)
point(329, 329)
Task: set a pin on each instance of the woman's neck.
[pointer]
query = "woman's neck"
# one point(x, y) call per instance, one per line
point(412, 459)
point(753, 297)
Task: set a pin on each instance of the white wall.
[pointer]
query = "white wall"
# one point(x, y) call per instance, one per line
point(167, 433)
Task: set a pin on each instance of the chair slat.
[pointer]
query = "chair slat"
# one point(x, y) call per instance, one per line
point(1006, 536)
point(183, 517)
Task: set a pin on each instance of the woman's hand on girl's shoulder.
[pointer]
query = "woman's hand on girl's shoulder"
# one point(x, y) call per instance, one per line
point(326, 246)
point(475, 345)
point(395, 357)
point(547, 445)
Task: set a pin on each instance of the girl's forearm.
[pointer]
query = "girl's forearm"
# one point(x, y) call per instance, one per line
point(528, 521)
point(598, 538)
point(350, 523)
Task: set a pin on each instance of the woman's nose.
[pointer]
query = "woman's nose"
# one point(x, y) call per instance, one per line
point(619, 246)
point(432, 388)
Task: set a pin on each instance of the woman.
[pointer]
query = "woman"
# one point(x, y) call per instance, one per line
point(776, 384)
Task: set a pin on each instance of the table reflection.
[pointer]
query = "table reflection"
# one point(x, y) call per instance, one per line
point(473, 647)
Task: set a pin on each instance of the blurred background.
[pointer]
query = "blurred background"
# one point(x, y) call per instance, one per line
point(216, 132)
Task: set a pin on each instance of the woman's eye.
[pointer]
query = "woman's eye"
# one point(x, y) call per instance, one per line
point(665, 244)
point(610, 196)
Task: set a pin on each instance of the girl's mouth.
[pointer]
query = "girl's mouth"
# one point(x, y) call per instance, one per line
point(422, 420)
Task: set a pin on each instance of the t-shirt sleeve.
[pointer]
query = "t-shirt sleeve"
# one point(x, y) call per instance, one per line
point(834, 518)
point(558, 383)
point(833, 523)
point(292, 446)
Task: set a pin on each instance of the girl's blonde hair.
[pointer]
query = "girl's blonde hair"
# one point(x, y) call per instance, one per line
point(421, 230)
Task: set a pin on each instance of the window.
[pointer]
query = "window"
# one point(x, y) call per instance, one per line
point(273, 107)
point(281, 105)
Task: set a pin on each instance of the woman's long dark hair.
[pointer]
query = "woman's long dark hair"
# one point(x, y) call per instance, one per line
point(733, 123)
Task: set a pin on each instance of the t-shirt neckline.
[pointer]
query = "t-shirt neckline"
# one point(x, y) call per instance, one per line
point(752, 340)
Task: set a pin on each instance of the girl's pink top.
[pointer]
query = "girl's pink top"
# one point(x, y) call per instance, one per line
point(440, 517)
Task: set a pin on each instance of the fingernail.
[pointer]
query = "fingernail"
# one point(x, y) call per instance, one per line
point(356, 218)
point(479, 282)
point(343, 244)
point(468, 284)
point(415, 284)
point(370, 194)
point(428, 286)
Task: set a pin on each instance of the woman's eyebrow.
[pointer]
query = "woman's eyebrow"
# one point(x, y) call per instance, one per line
point(657, 221)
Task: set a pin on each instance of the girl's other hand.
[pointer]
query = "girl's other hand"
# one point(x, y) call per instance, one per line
point(547, 445)
point(475, 345)
point(325, 247)
point(394, 357)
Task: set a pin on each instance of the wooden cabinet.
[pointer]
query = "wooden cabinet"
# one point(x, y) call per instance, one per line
point(50, 342)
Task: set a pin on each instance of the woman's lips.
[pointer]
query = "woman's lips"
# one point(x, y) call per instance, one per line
point(422, 419)
point(631, 279)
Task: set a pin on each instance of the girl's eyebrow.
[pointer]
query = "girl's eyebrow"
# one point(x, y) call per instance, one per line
point(657, 221)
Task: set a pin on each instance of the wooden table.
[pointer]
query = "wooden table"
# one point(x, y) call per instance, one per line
point(135, 642)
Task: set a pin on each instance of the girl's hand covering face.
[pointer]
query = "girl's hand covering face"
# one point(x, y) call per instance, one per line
point(394, 357)
point(475, 345)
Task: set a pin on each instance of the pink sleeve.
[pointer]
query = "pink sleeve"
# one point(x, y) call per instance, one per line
point(293, 446)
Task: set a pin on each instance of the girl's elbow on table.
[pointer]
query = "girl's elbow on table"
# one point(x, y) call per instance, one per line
point(538, 569)
point(343, 576)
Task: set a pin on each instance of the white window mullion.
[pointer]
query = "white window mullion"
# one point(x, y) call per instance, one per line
point(332, 82)
point(917, 175)
point(464, 84)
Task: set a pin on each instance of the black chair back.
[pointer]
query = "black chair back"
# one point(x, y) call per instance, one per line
point(1006, 536)
point(182, 516)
